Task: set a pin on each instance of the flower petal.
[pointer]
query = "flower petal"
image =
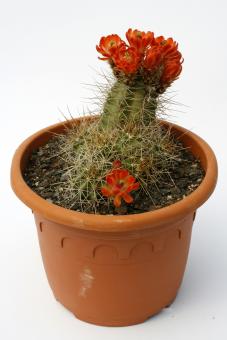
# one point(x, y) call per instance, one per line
point(117, 201)
point(106, 191)
point(123, 173)
point(128, 198)
point(130, 179)
point(110, 179)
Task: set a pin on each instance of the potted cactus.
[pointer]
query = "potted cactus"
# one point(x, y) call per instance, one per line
point(114, 196)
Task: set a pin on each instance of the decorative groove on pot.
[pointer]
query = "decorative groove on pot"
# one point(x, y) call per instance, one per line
point(179, 233)
point(62, 241)
point(41, 227)
point(109, 251)
point(105, 252)
point(194, 216)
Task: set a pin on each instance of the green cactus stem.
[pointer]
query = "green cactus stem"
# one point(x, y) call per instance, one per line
point(124, 103)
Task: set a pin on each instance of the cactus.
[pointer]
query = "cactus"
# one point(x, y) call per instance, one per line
point(127, 130)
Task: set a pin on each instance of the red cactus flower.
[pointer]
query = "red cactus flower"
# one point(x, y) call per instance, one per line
point(139, 40)
point(158, 56)
point(169, 49)
point(127, 59)
point(172, 60)
point(171, 71)
point(119, 185)
point(108, 46)
point(152, 58)
point(164, 53)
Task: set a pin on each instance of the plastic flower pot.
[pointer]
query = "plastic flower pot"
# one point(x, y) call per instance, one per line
point(114, 270)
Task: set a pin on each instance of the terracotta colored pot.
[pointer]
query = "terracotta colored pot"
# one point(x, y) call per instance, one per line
point(114, 270)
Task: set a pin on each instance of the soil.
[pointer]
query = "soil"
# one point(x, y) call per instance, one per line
point(186, 174)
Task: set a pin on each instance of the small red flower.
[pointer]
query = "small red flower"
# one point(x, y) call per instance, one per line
point(108, 46)
point(139, 40)
point(116, 164)
point(127, 59)
point(119, 185)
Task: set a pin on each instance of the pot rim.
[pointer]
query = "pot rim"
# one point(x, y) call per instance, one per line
point(113, 223)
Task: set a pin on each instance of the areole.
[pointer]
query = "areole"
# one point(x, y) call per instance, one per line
point(114, 270)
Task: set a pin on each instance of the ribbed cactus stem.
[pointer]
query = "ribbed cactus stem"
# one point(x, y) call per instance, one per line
point(135, 102)
point(114, 105)
point(126, 103)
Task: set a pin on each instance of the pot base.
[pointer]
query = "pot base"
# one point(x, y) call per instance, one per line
point(117, 322)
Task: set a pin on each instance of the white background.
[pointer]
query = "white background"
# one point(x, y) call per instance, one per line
point(47, 50)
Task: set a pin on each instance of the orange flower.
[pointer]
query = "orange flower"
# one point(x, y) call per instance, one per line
point(108, 46)
point(127, 59)
point(139, 40)
point(171, 71)
point(169, 49)
point(152, 58)
point(157, 58)
point(119, 185)
point(172, 61)
point(164, 53)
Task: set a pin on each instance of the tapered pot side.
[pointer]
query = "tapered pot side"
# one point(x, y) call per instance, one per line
point(114, 270)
